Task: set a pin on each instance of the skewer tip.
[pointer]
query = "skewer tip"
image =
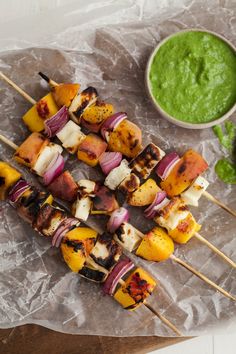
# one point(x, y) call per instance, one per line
point(43, 76)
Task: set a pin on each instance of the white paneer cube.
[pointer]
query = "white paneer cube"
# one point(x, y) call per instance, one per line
point(73, 141)
point(45, 157)
point(100, 250)
point(82, 208)
point(128, 236)
point(192, 195)
point(117, 175)
point(67, 130)
point(86, 187)
point(71, 136)
point(53, 225)
point(173, 220)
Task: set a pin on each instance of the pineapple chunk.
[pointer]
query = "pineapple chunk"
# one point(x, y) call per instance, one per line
point(8, 177)
point(145, 194)
point(98, 112)
point(43, 109)
point(126, 138)
point(156, 246)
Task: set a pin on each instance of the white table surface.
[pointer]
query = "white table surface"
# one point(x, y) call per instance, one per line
point(18, 12)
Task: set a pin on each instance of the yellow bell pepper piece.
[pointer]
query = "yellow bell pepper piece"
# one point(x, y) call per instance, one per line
point(81, 233)
point(138, 286)
point(8, 177)
point(185, 230)
point(76, 247)
point(156, 246)
point(49, 200)
point(42, 110)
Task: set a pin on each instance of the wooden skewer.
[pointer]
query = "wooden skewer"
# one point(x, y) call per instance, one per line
point(54, 83)
point(203, 277)
point(163, 319)
point(219, 203)
point(215, 249)
point(18, 89)
point(8, 142)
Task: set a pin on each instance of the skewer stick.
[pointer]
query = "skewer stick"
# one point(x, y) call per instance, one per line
point(215, 249)
point(8, 142)
point(51, 82)
point(219, 203)
point(163, 319)
point(18, 89)
point(203, 277)
point(197, 235)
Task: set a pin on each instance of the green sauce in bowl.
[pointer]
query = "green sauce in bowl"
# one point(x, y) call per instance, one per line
point(193, 77)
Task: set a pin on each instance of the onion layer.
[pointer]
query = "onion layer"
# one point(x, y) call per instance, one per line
point(111, 123)
point(54, 169)
point(54, 124)
point(118, 217)
point(109, 160)
point(62, 230)
point(166, 164)
point(121, 268)
point(17, 190)
point(150, 212)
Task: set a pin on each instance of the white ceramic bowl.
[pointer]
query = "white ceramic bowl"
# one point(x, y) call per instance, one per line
point(155, 103)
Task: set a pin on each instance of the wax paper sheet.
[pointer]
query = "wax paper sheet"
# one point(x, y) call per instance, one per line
point(106, 44)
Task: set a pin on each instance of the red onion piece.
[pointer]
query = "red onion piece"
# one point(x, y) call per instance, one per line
point(151, 211)
point(166, 164)
point(54, 169)
point(62, 230)
point(55, 123)
point(91, 127)
point(121, 268)
point(109, 160)
point(118, 217)
point(17, 190)
point(111, 123)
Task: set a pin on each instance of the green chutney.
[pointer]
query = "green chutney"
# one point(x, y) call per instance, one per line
point(193, 77)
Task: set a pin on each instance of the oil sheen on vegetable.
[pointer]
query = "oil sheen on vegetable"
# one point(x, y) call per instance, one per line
point(193, 77)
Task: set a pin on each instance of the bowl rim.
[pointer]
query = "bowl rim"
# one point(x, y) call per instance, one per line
point(155, 103)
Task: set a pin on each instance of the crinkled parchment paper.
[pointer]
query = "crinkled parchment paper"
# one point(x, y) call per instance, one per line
point(106, 44)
